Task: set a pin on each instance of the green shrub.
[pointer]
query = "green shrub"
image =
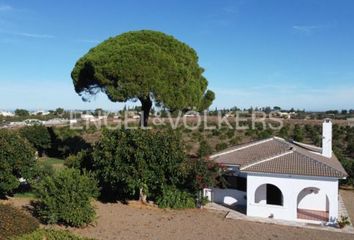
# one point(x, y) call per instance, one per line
point(13, 222)
point(50, 235)
point(221, 146)
point(82, 160)
point(343, 221)
point(174, 198)
point(66, 198)
point(204, 149)
point(16, 160)
point(38, 136)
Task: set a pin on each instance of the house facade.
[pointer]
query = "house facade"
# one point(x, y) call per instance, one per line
point(275, 178)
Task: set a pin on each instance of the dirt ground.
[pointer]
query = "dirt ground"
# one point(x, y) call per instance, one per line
point(119, 221)
point(348, 198)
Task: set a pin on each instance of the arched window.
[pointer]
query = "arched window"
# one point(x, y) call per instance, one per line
point(269, 194)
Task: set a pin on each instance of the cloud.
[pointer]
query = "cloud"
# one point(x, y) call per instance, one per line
point(308, 29)
point(33, 35)
point(4, 8)
point(28, 35)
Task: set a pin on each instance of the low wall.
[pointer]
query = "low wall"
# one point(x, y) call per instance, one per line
point(226, 196)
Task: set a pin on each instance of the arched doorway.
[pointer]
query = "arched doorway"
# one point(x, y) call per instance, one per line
point(312, 204)
point(269, 194)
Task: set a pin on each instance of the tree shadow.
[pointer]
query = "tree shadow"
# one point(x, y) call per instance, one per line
point(64, 146)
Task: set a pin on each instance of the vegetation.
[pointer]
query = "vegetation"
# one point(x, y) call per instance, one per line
point(16, 160)
point(50, 234)
point(147, 66)
point(14, 222)
point(21, 113)
point(171, 197)
point(202, 173)
point(129, 162)
point(66, 198)
point(343, 221)
point(38, 136)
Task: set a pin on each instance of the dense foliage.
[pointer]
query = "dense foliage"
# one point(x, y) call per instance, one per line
point(21, 113)
point(202, 173)
point(138, 161)
point(66, 198)
point(14, 222)
point(144, 65)
point(171, 197)
point(16, 160)
point(38, 136)
point(50, 234)
point(66, 142)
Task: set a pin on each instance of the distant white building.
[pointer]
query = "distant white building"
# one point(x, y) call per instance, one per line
point(286, 115)
point(275, 178)
point(7, 114)
point(87, 117)
point(92, 118)
point(40, 112)
point(56, 121)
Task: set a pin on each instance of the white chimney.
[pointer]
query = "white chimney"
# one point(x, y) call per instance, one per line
point(327, 138)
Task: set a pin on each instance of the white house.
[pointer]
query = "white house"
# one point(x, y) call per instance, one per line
point(7, 114)
point(274, 178)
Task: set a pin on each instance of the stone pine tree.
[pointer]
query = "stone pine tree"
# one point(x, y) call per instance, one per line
point(145, 65)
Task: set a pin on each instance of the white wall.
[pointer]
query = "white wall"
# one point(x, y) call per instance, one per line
point(290, 187)
point(228, 197)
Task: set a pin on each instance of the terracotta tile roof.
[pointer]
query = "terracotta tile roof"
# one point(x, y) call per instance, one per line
point(275, 155)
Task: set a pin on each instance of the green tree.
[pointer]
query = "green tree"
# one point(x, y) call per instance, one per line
point(21, 113)
point(298, 133)
point(148, 66)
point(16, 160)
point(202, 173)
point(59, 111)
point(99, 112)
point(204, 149)
point(38, 136)
point(66, 198)
point(129, 162)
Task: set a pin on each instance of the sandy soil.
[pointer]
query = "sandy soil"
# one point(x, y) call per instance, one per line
point(348, 198)
point(118, 221)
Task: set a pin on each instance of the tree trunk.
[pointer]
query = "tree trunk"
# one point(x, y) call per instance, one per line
point(142, 196)
point(146, 105)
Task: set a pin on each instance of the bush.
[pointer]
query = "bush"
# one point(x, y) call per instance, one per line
point(16, 160)
point(66, 198)
point(14, 222)
point(220, 146)
point(38, 136)
point(343, 221)
point(204, 149)
point(82, 160)
point(174, 198)
point(140, 162)
point(50, 235)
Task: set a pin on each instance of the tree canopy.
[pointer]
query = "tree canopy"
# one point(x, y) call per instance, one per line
point(16, 160)
point(145, 65)
point(22, 113)
point(38, 136)
point(129, 161)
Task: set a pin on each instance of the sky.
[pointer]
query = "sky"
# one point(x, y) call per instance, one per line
point(256, 53)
